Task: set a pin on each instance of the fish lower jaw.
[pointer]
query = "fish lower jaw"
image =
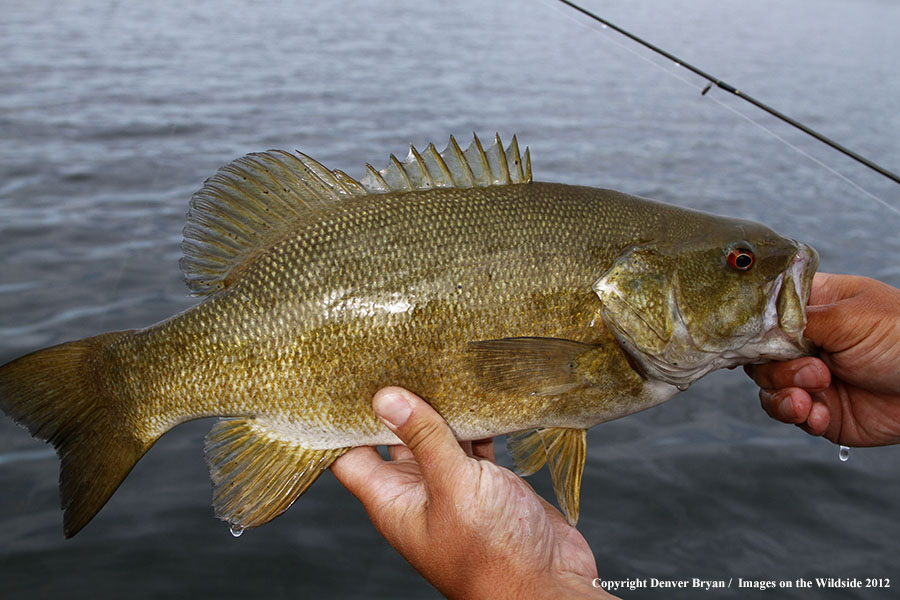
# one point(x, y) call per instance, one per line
point(781, 346)
point(774, 345)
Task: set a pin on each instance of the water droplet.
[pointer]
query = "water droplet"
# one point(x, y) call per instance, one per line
point(844, 454)
point(236, 530)
point(683, 386)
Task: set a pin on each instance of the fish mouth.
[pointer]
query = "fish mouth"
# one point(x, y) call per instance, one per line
point(785, 318)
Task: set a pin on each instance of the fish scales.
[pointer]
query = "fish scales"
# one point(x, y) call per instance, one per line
point(323, 322)
point(510, 305)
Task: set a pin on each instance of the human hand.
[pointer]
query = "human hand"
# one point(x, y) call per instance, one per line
point(850, 394)
point(471, 528)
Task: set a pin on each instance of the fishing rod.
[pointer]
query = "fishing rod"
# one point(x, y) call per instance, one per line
point(715, 81)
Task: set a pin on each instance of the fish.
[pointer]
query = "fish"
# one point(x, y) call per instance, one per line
point(514, 307)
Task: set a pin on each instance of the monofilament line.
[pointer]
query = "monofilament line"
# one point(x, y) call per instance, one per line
point(799, 150)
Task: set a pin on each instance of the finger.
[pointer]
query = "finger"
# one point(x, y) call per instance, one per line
point(825, 288)
point(828, 288)
point(422, 430)
point(399, 453)
point(788, 406)
point(809, 373)
point(466, 447)
point(826, 325)
point(354, 469)
point(483, 449)
point(843, 311)
point(818, 421)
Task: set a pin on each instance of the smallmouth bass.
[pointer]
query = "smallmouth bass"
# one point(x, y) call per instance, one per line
point(512, 306)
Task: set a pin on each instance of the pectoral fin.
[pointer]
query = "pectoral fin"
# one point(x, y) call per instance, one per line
point(256, 472)
point(564, 450)
point(530, 365)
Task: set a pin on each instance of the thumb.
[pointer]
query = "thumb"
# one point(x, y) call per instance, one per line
point(844, 309)
point(421, 429)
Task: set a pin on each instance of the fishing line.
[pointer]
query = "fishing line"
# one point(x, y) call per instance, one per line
point(714, 81)
point(809, 156)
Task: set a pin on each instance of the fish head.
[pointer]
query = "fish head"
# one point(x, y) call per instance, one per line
point(707, 297)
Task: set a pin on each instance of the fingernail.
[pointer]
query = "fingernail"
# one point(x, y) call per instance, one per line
point(393, 408)
point(807, 377)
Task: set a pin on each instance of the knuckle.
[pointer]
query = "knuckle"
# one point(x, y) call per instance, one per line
point(763, 375)
point(424, 434)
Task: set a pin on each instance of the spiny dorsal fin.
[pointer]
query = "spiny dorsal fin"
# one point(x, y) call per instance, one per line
point(257, 472)
point(452, 168)
point(250, 203)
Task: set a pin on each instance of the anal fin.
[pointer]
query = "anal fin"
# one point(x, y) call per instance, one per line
point(564, 450)
point(256, 473)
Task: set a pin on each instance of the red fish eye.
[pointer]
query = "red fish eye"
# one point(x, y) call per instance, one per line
point(741, 259)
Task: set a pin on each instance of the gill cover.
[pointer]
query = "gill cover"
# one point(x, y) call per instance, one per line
point(640, 299)
point(637, 300)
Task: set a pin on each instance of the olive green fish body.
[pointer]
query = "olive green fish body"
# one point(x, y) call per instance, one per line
point(390, 290)
point(510, 305)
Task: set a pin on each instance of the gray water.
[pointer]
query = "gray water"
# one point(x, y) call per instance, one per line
point(113, 113)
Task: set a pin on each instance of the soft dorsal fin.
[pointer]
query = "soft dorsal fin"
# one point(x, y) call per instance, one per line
point(256, 200)
point(250, 203)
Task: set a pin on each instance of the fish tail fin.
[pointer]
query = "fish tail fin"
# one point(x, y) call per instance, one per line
point(59, 396)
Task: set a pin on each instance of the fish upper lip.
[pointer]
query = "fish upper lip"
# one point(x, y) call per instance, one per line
point(803, 268)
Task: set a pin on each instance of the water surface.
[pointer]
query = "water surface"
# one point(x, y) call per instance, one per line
point(113, 113)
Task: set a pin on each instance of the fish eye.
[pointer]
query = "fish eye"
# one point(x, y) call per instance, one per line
point(741, 259)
